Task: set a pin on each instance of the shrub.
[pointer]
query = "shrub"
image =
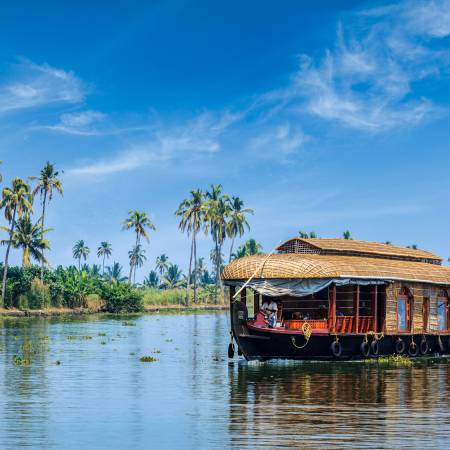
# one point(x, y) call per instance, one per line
point(121, 297)
point(39, 295)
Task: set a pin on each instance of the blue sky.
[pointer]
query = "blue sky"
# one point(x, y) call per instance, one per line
point(322, 116)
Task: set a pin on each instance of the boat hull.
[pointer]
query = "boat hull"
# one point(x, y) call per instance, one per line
point(262, 343)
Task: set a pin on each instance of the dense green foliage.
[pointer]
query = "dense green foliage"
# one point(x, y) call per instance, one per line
point(68, 288)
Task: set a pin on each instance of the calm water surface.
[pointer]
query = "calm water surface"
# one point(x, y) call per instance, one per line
point(102, 396)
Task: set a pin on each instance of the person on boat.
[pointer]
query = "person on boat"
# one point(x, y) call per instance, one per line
point(270, 308)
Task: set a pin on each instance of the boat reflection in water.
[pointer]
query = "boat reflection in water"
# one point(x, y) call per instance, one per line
point(339, 405)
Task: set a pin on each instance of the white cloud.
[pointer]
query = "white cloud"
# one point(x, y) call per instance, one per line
point(366, 81)
point(36, 85)
point(198, 136)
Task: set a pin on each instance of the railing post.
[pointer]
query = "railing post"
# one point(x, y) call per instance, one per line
point(375, 308)
point(244, 296)
point(256, 296)
point(332, 308)
point(356, 307)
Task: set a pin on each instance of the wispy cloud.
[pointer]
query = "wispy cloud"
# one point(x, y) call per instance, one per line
point(198, 136)
point(34, 85)
point(365, 81)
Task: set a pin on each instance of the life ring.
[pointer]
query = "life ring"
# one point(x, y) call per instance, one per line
point(424, 347)
point(413, 349)
point(365, 349)
point(374, 347)
point(400, 346)
point(230, 350)
point(336, 349)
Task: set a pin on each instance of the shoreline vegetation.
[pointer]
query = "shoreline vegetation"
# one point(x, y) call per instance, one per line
point(36, 288)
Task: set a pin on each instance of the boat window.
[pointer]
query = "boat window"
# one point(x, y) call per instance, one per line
point(442, 313)
point(402, 314)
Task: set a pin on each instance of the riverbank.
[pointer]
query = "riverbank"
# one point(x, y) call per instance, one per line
point(54, 312)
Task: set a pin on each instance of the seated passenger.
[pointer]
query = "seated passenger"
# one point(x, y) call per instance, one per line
point(270, 308)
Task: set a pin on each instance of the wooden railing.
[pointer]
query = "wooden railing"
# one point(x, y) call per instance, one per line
point(347, 324)
point(298, 324)
point(344, 324)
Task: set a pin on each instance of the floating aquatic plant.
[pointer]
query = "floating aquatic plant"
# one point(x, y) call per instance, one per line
point(147, 359)
point(394, 360)
point(101, 334)
point(128, 324)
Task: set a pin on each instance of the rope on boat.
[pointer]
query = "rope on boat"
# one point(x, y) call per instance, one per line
point(307, 332)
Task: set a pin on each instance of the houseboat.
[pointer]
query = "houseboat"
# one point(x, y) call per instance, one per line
point(336, 299)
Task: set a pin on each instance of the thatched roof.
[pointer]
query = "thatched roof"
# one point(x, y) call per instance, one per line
point(355, 248)
point(301, 266)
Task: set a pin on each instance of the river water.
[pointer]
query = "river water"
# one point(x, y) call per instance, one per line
point(85, 387)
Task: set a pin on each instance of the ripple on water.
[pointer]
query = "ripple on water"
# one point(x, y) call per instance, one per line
point(101, 394)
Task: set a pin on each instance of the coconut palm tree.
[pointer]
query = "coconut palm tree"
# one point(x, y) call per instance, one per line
point(347, 235)
point(137, 258)
point(251, 247)
point(173, 277)
point(216, 215)
point(114, 273)
point(140, 223)
point(47, 182)
point(192, 213)
point(80, 250)
point(16, 201)
point(162, 263)
point(237, 221)
point(104, 251)
point(152, 280)
point(29, 237)
point(306, 235)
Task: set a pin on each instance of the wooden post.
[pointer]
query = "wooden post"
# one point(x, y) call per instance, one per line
point(375, 308)
point(232, 291)
point(332, 308)
point(356, 308)
point(255, 302)
point(244, 296)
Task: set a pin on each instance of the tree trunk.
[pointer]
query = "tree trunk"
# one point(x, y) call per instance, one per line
point(195, 266)
point(231, 249)
point(5, 269)
point(189, 273)
point(131, 265)
point(26, 257)
point(44, 201)
point(217, 267)
point(103, 268)
point(79, 263)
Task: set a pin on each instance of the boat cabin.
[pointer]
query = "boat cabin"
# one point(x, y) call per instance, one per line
point(343, 287)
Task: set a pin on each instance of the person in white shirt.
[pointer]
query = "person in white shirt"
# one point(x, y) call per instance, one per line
point(270, 308)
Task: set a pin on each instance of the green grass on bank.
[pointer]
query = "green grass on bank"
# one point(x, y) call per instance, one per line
point(177, 296)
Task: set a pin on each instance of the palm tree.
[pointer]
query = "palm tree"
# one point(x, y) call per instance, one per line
point(237, 221)
point(16, 200)
point(95, 270)
point(114, 273)
point(139, 222)
point(173, 277)
point(80, 250)
point(104, 251)
point(30, 238)
point(413, 247)
point(47, 181)
point(251, 247)
point(346, 235)
point(192, 213)
point(306, 235)
point(217, 211)
point(162, 263)
point(152, 280)
point(137, 258)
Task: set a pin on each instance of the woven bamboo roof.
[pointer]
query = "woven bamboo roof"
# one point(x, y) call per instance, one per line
point(362, 247)
point(301, 266)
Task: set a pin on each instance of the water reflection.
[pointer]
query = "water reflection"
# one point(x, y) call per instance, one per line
point(340, 405)
point(101, 395)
